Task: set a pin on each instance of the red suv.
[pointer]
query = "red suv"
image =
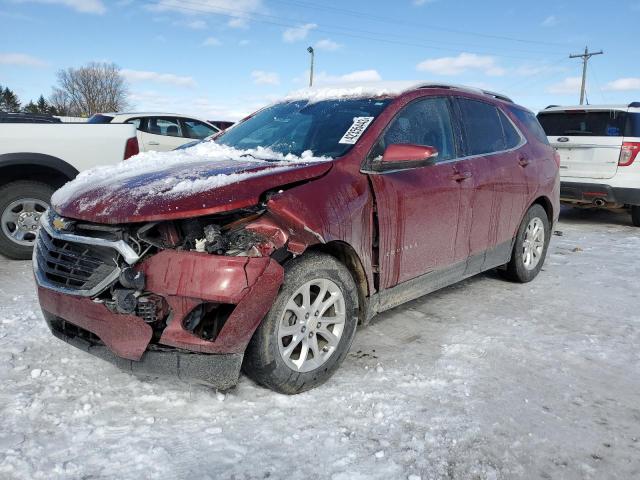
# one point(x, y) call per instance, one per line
point(265, 259)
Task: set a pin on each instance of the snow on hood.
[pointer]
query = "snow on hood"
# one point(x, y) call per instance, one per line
point(153, 184)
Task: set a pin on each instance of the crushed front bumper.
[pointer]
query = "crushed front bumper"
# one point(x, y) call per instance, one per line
point(184, 280)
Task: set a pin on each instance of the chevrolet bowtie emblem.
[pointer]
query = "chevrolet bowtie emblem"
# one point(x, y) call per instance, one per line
point(60, 223)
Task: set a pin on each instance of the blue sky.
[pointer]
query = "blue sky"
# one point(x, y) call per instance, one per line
point(221, 59)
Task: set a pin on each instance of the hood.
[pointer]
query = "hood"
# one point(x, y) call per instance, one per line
point(172, 190)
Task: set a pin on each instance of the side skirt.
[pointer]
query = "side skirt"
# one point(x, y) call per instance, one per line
point(432, 281)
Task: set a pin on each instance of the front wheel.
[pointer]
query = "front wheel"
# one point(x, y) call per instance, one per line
point(308, 331)
point(635, 215)
point(530, 247)
point(21, 205)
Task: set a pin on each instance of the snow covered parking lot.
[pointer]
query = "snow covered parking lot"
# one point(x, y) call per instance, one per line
point(485, 379)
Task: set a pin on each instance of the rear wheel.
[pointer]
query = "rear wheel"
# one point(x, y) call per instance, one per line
point(21, 205)
point(635, 215)
point(530, 247)
point(308, 331)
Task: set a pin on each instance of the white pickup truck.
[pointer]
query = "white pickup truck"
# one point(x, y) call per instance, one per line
point(37, 159)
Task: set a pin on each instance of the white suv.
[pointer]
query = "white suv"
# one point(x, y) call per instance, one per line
point(598, 147)
point(161, 131)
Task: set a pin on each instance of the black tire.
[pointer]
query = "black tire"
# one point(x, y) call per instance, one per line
point(10, 193)
point(516, 270)
point(635, 215)
point(263, 361)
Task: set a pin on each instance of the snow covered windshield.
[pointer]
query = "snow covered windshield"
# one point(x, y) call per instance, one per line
point(328, 128)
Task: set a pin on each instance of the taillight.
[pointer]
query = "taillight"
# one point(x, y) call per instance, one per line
point(131, 148)
point(628, 153)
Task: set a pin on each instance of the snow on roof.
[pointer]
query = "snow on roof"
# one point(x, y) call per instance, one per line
point(204, 166)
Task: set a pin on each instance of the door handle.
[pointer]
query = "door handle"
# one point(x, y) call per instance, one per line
point(523, 161)
point(461, 176)
point(153, 143)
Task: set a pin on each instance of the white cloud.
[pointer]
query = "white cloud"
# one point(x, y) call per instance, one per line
point(296, 34)
point(82, 6)
point(550, 21)
point(211, 42)
point(240, 10)
point(568, 85)
point(328, 45)
point(196, 25)
point(361, 76)
point(168, 78)
point(460, 64)
point(21, 60)
point(624, 84)
point(260, 77)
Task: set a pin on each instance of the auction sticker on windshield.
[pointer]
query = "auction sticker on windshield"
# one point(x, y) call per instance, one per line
point(358, 127)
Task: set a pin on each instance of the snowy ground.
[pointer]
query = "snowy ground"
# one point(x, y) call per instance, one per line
point(486, 379)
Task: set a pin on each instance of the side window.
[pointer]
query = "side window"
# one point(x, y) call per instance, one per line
point(511, 136)
point(163, 126)
point(481, 126)
point(195, 129)
point(424, 122)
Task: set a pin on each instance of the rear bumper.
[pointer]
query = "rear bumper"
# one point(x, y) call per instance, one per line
point(184, 280)
point(572, 192)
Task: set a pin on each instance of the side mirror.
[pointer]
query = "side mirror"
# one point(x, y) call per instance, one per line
point(408, 153)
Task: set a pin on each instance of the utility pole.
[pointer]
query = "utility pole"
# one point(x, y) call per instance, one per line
point(585, 58)
point(312, 52)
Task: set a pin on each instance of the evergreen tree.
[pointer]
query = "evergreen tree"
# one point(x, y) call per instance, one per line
point(8, 100)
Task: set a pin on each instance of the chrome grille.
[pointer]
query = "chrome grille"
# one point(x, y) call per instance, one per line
point(72, 266)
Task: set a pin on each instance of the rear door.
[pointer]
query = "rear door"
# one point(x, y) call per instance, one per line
point(161, 134)
point(588, 141)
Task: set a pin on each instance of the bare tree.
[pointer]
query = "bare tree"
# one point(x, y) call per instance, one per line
point(93, 88)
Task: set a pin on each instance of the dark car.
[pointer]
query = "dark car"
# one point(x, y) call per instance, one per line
point(27, 118)
point(267, 267)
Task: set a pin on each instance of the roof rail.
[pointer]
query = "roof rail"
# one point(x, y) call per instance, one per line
point(451, 86)
point(634, 105)
point(551, 106)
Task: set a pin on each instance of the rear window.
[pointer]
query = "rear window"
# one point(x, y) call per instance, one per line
point(97, 118)
point(580, 123)
point(531, 123)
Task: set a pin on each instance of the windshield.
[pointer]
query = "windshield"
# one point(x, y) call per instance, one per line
point(328, 128)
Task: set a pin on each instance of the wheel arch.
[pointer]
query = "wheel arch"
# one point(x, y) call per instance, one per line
point(545, 203)
point(35, 166)
point(348, 256)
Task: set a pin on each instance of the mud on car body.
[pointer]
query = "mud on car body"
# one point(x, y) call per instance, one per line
point(269, 265)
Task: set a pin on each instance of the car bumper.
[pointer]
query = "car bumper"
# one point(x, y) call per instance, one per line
point(184, 280)
point(572, 192)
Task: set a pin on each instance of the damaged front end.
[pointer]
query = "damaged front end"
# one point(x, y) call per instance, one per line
point(179, 297)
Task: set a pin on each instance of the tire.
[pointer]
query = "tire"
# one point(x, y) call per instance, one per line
point(517, 269)
point(635, 215)
point(36, 197)
point(266, 360)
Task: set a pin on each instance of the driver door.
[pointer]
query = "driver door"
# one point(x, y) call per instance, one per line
point(418, 208)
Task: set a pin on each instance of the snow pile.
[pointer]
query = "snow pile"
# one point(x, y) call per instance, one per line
point(204, 166)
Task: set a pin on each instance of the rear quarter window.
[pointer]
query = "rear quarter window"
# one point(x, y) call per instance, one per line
point(531, 123)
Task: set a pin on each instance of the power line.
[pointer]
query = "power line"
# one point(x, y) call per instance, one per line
point(416, 24)
point(262, 18)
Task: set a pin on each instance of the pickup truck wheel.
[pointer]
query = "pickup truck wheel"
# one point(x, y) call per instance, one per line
point(21, 205)
point(635, 215)
point(308, 331)
point(530, 247)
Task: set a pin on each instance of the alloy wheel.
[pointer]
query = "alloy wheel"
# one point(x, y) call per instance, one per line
point(533, 243)
point(20, 220)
